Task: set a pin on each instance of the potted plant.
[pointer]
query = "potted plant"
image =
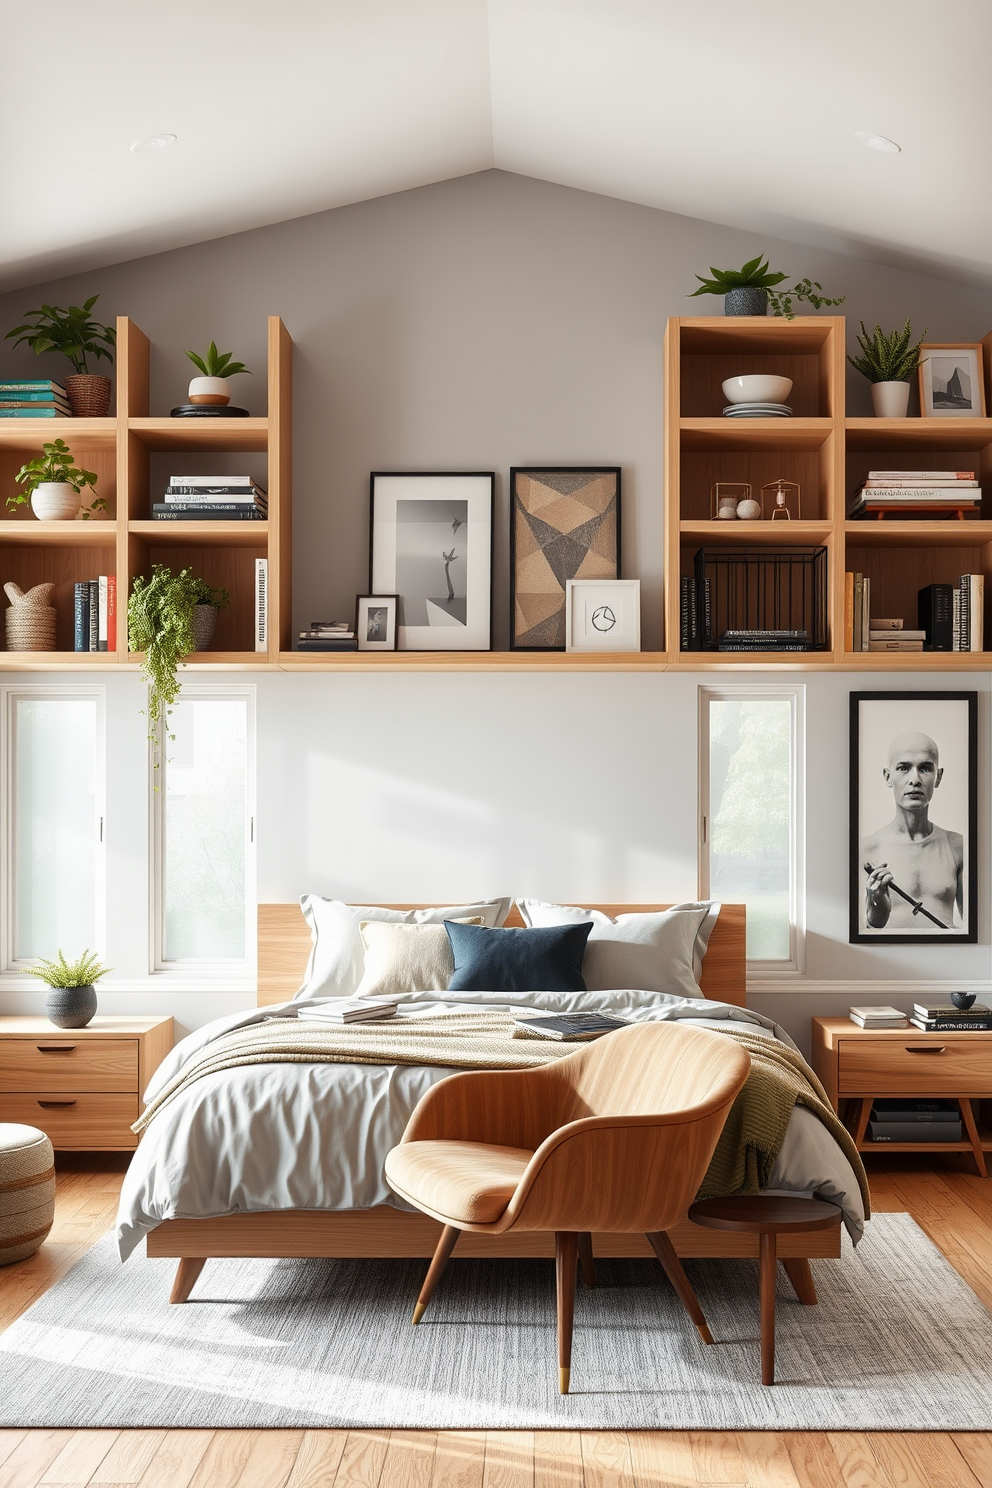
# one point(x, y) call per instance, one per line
point(71, 1002)
point(888, 362)
point(168, 617)
point(77, 337)
point(54, 485)
point(216, 367)
point(750, 289)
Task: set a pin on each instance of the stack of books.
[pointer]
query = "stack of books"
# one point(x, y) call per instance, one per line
point(212, 498)
point(892, 635)
point(953, 616)
point(879, 1017)
point(936, 1017)
point(763, 640)
point(328, 635)
point(33, 397)
point(902, 1120)
point(857, 612)
point(913, 493)
point(95, 614)
point(352, 1010)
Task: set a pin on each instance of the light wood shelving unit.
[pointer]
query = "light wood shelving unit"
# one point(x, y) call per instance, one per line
point(829, 455)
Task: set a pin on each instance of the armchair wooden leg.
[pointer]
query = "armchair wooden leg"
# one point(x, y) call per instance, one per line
point(445, 1246)
point(586, 1262)
point(566, 1256)
point(801, 1277)
point(672, 1266)
point(187, 1272)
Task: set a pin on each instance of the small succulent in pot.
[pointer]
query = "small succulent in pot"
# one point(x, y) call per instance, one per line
point(71, 1002)
point(215, 368)
point(888, 362)
point(54, 485)
point(77, 337)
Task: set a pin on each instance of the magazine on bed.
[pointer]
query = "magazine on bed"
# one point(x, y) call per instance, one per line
point(351, 1010)
point(571, 1027)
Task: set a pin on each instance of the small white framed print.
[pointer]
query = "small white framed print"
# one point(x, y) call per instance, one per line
point(603, 615)
point(375, 622)
point(951, 381)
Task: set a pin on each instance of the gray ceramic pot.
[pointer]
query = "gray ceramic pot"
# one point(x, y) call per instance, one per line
point(70, 1007)
point(745, 302)
point(204, 625)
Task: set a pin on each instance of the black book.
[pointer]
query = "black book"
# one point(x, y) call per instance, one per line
point(327, 645)
point(174, 513)
point(94, 588)
point(208, 410)
point(915, 1131)
point(760, 645)
point(222, 488)
point(81, 616)
point(686, 599)
point(935, 615)
point(899, 1108)
point(706, 615)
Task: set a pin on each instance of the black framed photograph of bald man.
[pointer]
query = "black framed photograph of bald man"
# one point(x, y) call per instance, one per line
point(914, 841)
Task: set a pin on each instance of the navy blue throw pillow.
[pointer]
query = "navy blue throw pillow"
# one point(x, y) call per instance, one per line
point(545, 960)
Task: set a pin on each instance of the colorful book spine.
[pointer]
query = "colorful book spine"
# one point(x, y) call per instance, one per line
point(162, 513)
point(94, 639)
point(32, 413)
point(81, 617)
point(101, 633)
point(261, 604)
point(111, 612)
point(42, 386)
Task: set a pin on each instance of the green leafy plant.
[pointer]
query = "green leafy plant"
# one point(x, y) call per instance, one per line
point(62, 973)
point(55, 464)
point(887, 358)
point(781, 300)
point(160, 623)
point(752, 275)
point(217, 363)
point(71, 332)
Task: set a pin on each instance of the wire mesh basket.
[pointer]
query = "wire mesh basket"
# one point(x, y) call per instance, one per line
point(771, 599)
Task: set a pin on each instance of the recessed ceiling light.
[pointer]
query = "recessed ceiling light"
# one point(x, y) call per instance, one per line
point(151, 143)
point(877, 142)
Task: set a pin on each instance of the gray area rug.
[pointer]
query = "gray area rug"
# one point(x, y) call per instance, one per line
point(897, 1342)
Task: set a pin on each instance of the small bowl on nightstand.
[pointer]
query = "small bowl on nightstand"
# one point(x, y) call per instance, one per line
point(962, 1000)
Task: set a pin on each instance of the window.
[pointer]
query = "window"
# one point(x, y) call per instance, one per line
point(751, 814)
point(204, 829)
point(53, 819)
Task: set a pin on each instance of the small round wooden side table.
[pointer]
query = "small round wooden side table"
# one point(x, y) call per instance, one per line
point(767, 1218)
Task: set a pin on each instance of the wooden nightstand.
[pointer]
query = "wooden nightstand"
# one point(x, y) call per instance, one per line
point(81, 1086)
point(858, 1064)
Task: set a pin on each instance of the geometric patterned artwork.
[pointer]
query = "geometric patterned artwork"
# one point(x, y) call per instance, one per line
point(564, 524)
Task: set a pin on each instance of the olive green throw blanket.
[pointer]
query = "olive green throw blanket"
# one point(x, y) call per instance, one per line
point(745, 1155)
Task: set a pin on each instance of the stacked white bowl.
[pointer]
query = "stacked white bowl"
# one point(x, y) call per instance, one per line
point(757, 395)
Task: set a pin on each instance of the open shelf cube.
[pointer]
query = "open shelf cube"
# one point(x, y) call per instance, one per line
point(807, 349)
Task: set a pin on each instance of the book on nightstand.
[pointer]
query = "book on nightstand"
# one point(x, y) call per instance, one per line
point(879, 1017)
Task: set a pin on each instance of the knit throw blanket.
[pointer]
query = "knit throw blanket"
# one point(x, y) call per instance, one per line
point(745, 1155)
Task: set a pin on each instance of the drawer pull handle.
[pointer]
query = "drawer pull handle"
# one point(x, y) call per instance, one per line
point(53, 1105)
point(928, 1049)
point(55, 1048)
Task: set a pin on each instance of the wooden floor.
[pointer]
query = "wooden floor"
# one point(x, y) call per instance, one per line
point(953, 1207)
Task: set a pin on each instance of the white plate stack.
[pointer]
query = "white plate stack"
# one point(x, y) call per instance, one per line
point(757, 410)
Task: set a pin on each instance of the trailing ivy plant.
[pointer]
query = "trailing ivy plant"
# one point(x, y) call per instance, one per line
point(160, 623)
point(217, 363)
point(82, 972)
point(55, 464)
point(887, 358)
point(755, 275)
point(71, 332)
point(807, 289)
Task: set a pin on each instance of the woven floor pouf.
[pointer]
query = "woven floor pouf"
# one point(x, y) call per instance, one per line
point(27, 1191)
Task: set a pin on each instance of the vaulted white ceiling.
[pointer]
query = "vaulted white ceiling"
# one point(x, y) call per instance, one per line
point(743, 114)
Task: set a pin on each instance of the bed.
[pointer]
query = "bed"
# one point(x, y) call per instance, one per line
point(286, 1226)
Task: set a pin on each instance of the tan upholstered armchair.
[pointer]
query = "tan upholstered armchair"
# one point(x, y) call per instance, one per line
point(616, 1137)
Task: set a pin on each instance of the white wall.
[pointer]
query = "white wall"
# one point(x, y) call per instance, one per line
point(480, 323)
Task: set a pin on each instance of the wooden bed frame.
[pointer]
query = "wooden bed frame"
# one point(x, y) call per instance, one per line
point(283, 949)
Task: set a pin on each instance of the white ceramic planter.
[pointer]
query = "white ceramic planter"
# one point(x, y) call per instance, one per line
point(55, 501)
point(209, 390)
point(890, 399)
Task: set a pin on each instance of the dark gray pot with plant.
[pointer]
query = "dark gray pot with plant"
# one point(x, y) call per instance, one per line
point(750, 290)
point(71, 1002)
point(76, 336)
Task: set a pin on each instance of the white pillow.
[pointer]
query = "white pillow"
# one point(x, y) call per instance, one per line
point(660, 951)
point(406, 958)
point(337, 960)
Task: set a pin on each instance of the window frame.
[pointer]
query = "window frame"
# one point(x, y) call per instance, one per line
point(11, 693)
point(795, 694)
point(232, 971)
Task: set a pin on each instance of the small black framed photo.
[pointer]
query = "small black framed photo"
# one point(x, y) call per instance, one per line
point(375, 622)
point(564, 524)
point(431, 545)
point(914, 839)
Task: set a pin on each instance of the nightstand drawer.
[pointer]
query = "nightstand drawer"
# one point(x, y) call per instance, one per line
point(927, 1065)
point(61, 1063)
point(100, 1122)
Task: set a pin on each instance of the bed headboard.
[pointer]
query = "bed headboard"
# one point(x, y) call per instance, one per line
point(284, 947)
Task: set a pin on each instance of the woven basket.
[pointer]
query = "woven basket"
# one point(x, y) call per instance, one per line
point(89, 395)
point(27, 1191)
point(30, 623)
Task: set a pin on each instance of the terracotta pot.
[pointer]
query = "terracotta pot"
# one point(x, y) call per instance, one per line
point(88, 394)
point(209, 390)
point(890, 399)
point(55, 501)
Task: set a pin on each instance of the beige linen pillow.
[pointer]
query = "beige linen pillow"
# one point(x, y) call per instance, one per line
point(406, 958)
